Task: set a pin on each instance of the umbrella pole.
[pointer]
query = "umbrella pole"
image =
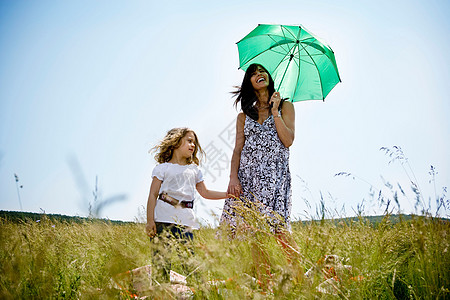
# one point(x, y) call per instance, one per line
point(285, 70)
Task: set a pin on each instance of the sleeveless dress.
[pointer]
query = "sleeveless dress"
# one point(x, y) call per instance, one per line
point(263, 173)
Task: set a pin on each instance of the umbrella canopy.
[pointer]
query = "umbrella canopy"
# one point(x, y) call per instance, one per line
point(302, 67)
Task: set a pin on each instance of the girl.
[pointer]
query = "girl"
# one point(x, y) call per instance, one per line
point(175, 179)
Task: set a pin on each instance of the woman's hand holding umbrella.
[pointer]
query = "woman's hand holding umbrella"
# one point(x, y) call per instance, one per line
point(275, 101)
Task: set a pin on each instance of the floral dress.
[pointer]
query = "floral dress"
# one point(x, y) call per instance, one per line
point(263, 173)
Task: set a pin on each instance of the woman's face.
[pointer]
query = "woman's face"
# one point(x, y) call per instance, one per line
point(259, 79)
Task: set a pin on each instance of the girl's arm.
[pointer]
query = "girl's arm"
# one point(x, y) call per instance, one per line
point(285, 125)
point(208, 194)
point(234, 186)
point(150, 228)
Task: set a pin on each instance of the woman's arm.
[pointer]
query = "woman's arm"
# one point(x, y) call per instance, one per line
point(208, 194)
point(234, 186)
point(150, 228)
point(285, 123)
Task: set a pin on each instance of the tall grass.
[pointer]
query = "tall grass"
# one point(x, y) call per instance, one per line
point(397, 257)
point(51, 259)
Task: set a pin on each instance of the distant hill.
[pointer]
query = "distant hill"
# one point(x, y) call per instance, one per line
point(372, 220)
point(18, 217)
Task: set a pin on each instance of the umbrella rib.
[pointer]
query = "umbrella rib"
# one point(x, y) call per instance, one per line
point(320, 77)
point(268, 34)
point(287, 67)
point(259, 55)
point(281, 61)
point(313, 63)
point(280, 45)
point(304, 46)
point(284, 58)
point(304, 61)
point(269, 49)
point(285, 70)
point(278, 52)
point(283, 29)
point(298, 78)
point(299, 60)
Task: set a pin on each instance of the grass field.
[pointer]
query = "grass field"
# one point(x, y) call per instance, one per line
point(52, 258)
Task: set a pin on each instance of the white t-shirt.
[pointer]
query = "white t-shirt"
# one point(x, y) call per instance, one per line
point(178, 181)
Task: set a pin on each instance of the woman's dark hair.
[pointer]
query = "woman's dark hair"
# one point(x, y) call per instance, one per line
point(246, 93)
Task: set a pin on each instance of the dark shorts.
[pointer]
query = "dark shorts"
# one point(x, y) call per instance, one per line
point(174, 230)
point(163, 248)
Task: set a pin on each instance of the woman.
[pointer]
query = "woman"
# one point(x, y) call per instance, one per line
point(260, 165)
point(260, 162)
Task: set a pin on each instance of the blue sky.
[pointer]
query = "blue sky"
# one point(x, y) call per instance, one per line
point(87, 88)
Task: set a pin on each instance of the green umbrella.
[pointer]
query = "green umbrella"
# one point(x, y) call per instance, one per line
point(302, 67)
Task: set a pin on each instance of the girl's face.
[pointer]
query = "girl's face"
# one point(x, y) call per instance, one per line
point(187, 147)
point(259, 78)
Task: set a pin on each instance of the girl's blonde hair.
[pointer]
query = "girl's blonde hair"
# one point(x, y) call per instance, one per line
point(172, 140)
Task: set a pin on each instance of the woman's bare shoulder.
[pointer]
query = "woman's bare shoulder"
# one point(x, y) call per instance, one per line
point(288, 105)
point(240, 117)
